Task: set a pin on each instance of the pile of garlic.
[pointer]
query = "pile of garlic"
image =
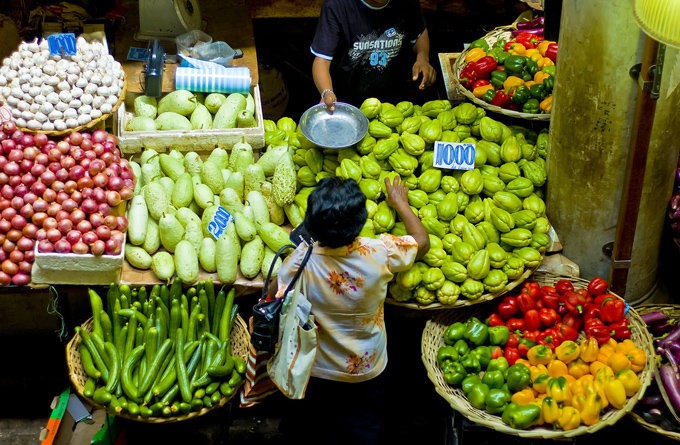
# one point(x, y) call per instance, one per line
point(46, 92)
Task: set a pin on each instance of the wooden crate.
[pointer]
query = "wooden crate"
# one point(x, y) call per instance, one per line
point(453, 93)
point(186, 140)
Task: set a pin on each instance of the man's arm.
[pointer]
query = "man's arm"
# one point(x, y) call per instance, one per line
point(321, 72)
point(422, 63)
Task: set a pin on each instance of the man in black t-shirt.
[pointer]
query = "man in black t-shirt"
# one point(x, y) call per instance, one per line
point(369, 46)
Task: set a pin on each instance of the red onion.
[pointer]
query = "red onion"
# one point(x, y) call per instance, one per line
point(113, 247)
point(26, 140)
point(25, 244)
point(62, 246)
point(73, 236)
point(8, 246)
point(54, 156)
point(118, 236)
point(25, 165)
point(62, 174)
point(88, 205)
point(103, 208)
point(75, 138)
point(15, 155)
point(103, 232)
point(99, 195)
point(107, 157)
point(111, 222)
point(19, 222)
point(29, 255)
point(5, 279)
point(5, 226)
point(9, 213)
point(20, 190)
point(4, 179)
point(53, 235)
point(99, 136)
point(17, 135)
point(85, 183)
point(76, 195)
point(89, 237)
point(69, 205)
point(37, 170)
point(40, 139)
point(62, 196)
point(63, 147)
point(27, 211)
point(30, 231)
point(7, 191)
point(45, 246)
point(80, 248)
point(49, 195)
point(76, 172)
point(28, 179)
point(4, 203)
point(48, 177)
point(16, 256)
point(86, 144)
point(78, 216)
point(99, 180)
point(17, 201)
point(98, 247)
point(50, 223)
point(38, 188)
point(122, 223)
point(13, 181)
point(8, 145)
point(12, 169)
point(42, 159)
point(14, 235)
point(64, 225)
point(67, 162)
point(96, 220)
point(78, 154)
point(21, 279)
point(126, 193)
point(39, 218)
point(31, 152)
point(9, 267)
point(113, 198)
point(25, 267)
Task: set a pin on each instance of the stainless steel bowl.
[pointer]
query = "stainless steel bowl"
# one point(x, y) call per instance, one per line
point(342, 128)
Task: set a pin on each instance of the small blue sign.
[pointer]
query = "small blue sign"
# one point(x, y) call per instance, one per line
point(138, 54)
point(62, 44)
point(219, 222)
point(454, 155)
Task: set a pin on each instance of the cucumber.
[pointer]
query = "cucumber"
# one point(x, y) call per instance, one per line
point(171, 231)
point(182, 191)
point(227, 253)
point(245, 227)
point(206, 254)
point(138, 216)
point(156, 198)
point(252, 254)
point(137, 257)
point(226, 115)
point(186, 262)
point(152, 242)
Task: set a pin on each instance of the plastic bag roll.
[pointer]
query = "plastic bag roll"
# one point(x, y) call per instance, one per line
point(218, 80)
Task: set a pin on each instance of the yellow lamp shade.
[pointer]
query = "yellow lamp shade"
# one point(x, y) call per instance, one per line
point(660, 19)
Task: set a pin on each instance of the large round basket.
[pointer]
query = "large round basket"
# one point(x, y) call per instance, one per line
point(501, 33)
point(673, 312)
point(93, 124)
point(462, 302)
point(239, 340)
point(432, 340)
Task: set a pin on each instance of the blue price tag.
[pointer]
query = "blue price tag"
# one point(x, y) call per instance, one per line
point(138, 54)
point(62, 44)
point(219, 222)
point(454, 155)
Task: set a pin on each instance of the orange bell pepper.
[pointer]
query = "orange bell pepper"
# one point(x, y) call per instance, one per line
point(637, 358)
point(474, 55)
point(546, 104)
point(523, 397)
point(569, 419)
point(557, 368)
point(631, 382)
point(578, 368)
point(547, 62)
point(567, 351)
point(512, 81)
point(618, 361)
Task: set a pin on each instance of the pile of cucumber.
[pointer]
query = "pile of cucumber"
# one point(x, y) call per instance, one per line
point(160, 352)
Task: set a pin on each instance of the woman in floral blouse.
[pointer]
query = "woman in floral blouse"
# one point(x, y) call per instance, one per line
point(346, 279)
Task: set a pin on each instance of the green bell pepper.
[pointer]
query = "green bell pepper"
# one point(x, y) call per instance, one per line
point(496, 400)
point(550, 69)
point(446, 354)
point(498, 335)
point(471, 363)
point(488, 95)
point(498, 53)
point(521, 416)
point(493, 379)
point(498, 364)
point(531, 106)
point(483, 354)
point(454, 373)
point(531, 66)
point(549, 83)
point(538, 91)
point(518, 377)
point(462, 347)
point(479, 43)
point(496, 78)
point(469, 382)
point(454, 332)
point(476, 332)
point(478, 394)
point(520, 94)
point(515, 65)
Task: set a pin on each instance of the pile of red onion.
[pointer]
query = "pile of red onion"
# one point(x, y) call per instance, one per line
point(60, 195)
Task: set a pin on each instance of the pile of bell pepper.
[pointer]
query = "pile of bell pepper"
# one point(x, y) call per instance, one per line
point(517, 74)
point(539, 369)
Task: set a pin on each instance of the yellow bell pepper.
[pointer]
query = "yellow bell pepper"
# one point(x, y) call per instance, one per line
point(540, 76)
point(539, 355)
point(578, 368)
point(551, 410)
point(604, 353)
point(557, 368)
point(474, 55)
point(581, 384)
point(512, 81)
point(546, 104)
point(637, 358)
point(543, 46)
point(547, 62)
point(618, 361)
point(625, 346)
point(567, 351)
point(595, 366)
point(524, 362)
point(615, 392)
point(523, 397)
point(540, 383)
point(569, 418)
point(529, 83)
point(558, 389)
point(533, 52)
point(479, 91)
point(589, 349)
point(631, 382)
point(591, 405)
point(517, 49)
point(538, 403)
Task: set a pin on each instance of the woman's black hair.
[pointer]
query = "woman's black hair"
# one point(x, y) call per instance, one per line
point(336, 211)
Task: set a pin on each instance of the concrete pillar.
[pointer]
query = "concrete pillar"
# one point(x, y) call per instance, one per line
point(594, 103)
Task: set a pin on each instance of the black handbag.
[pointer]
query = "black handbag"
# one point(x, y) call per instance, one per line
point(267, 311)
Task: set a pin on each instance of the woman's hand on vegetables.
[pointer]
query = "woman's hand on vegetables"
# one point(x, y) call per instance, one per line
point(429, 75)
point(397, 193)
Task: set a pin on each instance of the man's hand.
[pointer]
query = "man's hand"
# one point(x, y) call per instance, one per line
point(428, 72)
point(328, 98)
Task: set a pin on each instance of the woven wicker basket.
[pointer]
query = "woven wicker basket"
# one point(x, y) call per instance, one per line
point(432, 340)
point(673, 311)
point(93, 124)
point(240, 339)
point(462, 302)
point(499, 33)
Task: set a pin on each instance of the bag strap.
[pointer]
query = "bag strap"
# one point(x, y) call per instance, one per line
point(300, 269)
point(273, 263)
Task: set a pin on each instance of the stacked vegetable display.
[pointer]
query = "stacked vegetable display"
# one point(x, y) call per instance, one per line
point(516, 73)
point(161, 352)
point(487, 225)
point(542, 369)
point(61, 195)
point(172, 225)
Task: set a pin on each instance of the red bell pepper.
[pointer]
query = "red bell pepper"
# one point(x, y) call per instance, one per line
point(507, 307)
point(532, 288)
point(551, 52)
point(480, 83)
point(566, 332)
point(484, 66)
point(548, 338)
point(524, 345)
point(511, 355)
point(597, 286)
point(563, 286)
point(496, 352)
point(515, 324)
point(592, 312)
point(595, 328)
point(548, 317)
point(527, 39)
point(612, 309)
point(468, 76)
point(550, 297)
point(500, 99)
point(572, 301)
point(513, 340)
point(620, 330)
point(532, 321)
point(573, 320)
point(495, 320)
